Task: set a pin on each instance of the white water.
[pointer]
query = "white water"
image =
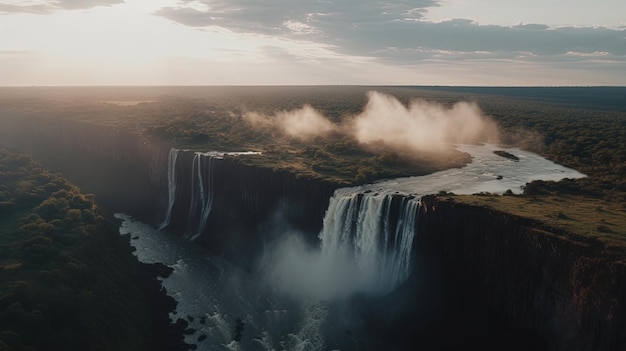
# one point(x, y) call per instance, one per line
point(481, 175)
point(202, 193)
point(202, 189)
point(215, 293)
point(363, 248)
point(171, 186)
point(359, 231)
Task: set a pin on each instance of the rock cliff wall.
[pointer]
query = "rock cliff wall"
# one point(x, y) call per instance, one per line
point(125, 173)
point(535, 279)
point(250, 206)
point(128, 174)
point(545, 288)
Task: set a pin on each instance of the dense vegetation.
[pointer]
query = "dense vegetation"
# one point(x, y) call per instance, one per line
point(68, 281)
point(582, 128)
point(61, 281)
point(592, 141)
point(216, 121)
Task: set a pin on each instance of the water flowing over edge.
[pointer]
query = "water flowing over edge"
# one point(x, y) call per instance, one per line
point(368, 230)
point(202, 191)
point(171, 186)
point(368, 233)
point(373, 234)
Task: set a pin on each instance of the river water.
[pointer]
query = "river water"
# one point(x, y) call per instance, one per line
point(232, 309)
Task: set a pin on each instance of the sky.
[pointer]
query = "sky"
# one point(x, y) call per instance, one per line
point(317, 42)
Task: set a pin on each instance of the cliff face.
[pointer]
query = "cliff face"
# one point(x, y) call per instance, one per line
point(125, 173)
point(478, 271)
point(129, 175)
point(530, 277)
point(250, 205)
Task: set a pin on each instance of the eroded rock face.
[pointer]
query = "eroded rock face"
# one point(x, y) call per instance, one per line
point(534, 278)
point(250, 205)
point(130, 175)
point(125, 173)
point(509, 278)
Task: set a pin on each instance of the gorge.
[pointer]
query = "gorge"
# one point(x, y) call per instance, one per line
point(464, 276)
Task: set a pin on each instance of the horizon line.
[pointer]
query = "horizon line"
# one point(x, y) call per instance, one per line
point(298, 85)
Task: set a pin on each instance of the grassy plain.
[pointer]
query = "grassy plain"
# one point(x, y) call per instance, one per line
point(598, 219)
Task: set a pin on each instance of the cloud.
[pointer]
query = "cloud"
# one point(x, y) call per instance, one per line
point(298, 27)
point(40, 9)
point(84, 4)
point(531, 26)
point(466, 36)
point(274, 17)
point(188, 16)
point(50, 6)
point(376, 39)
point(397, 33)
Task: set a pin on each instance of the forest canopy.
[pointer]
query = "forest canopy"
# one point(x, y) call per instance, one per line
point(68, 281)
point(552, 122)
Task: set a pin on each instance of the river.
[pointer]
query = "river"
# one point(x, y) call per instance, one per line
point(232, 309)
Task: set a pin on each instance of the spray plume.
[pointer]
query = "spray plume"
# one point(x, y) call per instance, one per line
point(423, 126)
point(303, 123)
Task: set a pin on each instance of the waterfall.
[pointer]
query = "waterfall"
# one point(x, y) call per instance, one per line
point(367, 236)
point(372, 231)
point(171, 186)
point(202, 193)
point(201, 190)
point(201, 187)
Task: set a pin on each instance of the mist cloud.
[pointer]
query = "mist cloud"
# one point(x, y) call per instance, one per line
point(422, 126)
point(294, 268)
point(302, 123)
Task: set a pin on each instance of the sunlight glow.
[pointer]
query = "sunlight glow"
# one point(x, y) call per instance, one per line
point(130, 43)
point(126, 41)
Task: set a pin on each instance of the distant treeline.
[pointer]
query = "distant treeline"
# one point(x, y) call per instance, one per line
point(592, 141)
point(604, 98)
point(583, 128)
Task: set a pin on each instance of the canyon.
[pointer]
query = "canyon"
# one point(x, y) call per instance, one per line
point(478, 276)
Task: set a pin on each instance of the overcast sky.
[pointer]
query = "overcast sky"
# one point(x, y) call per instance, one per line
point(258, 42)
